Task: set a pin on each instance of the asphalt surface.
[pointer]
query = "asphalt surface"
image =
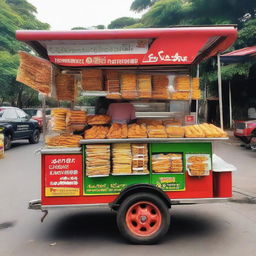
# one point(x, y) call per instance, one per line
point(210, 229)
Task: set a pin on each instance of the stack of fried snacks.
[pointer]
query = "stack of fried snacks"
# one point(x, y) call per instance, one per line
point(35, 72)
point(122, 158)
point(175, 131)
point(198, 165)
point(113, 84)
point(63, 140)
point(195, 83)
point(113, 88)
point(194, 131)
point(144, 86)
point(182, 83)
point(58, 119)
point(137, 131)
point(176, 163)
point(161, 163)
point(96, 132)
point(156, 131)
point(212, 131)
point(97, 160)
point(92, 79)
point(204, 130)
point(139, 158)
point(76, 120)
point(196, 94)
point(98, 119)
point(129, 86)
point(180, 95)
point(148, 121)
point(118, 131)
point(65, 87)
point(160, 87)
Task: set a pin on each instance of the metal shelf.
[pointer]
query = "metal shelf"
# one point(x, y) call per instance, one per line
point(150, 140)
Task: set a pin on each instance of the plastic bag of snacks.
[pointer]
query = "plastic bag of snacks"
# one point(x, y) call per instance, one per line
point(139, 158)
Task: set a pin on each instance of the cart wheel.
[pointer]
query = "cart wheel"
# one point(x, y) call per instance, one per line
point(143, 218)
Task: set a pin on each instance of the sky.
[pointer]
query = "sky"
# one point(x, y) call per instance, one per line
point(66, 14)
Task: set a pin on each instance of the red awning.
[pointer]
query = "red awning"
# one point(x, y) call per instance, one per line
point(240, 55)
point(130, 47)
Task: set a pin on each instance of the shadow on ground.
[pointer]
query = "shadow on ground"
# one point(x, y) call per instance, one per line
point(97, 226)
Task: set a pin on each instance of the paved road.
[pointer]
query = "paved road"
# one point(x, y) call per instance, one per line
point(215, 229)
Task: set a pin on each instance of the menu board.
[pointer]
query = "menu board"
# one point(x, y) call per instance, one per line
point(63, 175)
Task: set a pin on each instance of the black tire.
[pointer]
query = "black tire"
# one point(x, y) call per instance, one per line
point(7, 141)
point(34, 139)
point(125, 226)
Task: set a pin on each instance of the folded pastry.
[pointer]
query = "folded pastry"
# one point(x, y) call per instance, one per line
point(117, 131)
point(137, 131)
point(148, 121)
point(144, 86)
point(96, 132)
point(58, 119)
point(98, 119)
point(63, 140)
point(175, 131)
point(129, 86)
point(161, 163)
point(156, 131)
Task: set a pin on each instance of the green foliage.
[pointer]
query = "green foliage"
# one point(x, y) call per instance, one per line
point(122, 22)
point(15, 15)
point(247, 35)
point(140, 5)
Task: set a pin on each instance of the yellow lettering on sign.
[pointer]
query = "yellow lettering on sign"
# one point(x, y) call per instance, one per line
point(62, 191)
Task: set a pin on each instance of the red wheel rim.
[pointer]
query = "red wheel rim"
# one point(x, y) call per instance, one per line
point(143, 218)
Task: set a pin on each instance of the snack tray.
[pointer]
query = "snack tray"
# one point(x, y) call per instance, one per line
point(97, 176)
point(149, 140)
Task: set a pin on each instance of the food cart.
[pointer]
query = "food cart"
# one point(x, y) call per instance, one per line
point(142, 169)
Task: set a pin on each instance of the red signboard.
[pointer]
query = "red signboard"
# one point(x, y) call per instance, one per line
point(63, 175)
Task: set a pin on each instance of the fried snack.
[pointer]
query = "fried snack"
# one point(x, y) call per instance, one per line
point(122, 158)
point(113, 88)
point(182, 83)
point(160, 87)
point(58, 119)
point(197, 172)
point(144, 86)
point(180, 95)
point(76, 117)
point(195, 83)
point(194, 131)
point(212, 131)
point(197, 158)
point(176, 163)
point(112, 75)
point(156, 131)
point(161, 163)
point(137, 131)
point(148, 121)
point(63, 140)
point(92, 80)
point(1, 146)
point(139, 158)
point(98, 119)
point(196, 94)
point(96, 132)
point(65, 87)
point(129, 86)
point(175, 131)
point(35, 72)
point(117, 131)
point(97, 160)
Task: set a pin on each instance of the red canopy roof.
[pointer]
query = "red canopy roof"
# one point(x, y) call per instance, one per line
point(240, 55)
point(130, 47)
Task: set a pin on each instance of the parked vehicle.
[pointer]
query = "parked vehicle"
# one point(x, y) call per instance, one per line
point(37, 114)
point(18, 125)
point(245, 130)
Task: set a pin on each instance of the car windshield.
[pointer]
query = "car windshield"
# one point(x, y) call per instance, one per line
point(31, 112)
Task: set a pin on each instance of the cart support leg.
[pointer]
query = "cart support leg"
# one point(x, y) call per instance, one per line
point(44, 216)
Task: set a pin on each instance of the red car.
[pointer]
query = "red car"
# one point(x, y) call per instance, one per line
point(246, 131)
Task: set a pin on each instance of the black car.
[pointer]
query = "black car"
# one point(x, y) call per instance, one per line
point(18, 125)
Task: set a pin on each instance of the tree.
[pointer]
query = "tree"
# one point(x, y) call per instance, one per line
point(122, 22)
point(15, 15)
point(140, 5)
